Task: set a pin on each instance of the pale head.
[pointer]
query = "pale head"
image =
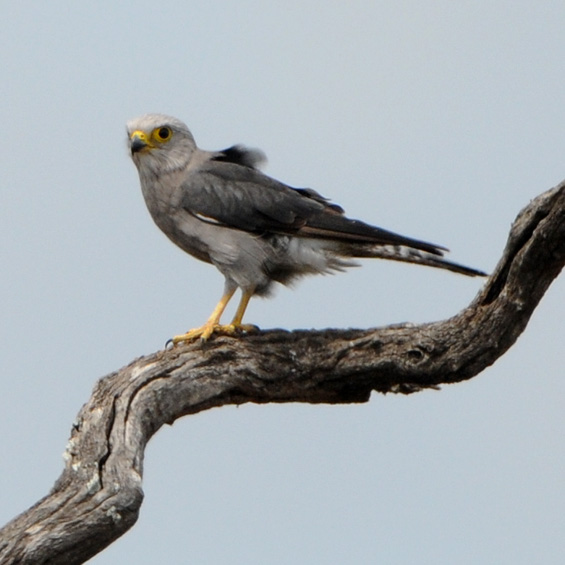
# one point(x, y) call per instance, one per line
point(159, 143)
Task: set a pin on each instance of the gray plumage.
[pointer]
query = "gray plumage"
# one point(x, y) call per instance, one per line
point(221, 209)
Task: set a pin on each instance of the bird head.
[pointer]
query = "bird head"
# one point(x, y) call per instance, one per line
point(159, 144)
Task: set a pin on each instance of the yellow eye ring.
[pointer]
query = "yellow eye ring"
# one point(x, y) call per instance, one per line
point(162, 134)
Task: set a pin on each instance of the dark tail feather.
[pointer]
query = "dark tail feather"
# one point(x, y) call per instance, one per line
point(410, 255)
point(335, 226)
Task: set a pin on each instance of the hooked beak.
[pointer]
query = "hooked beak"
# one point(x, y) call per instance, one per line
point(139, 142)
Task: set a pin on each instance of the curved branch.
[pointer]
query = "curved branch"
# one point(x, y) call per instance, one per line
point(98, 496)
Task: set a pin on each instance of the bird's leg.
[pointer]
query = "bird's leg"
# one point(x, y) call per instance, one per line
point(211, 325)
point(236, 324)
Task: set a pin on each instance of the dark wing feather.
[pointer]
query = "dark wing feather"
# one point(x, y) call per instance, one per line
point(241, 155)
point(244, 198)
point(241, 197)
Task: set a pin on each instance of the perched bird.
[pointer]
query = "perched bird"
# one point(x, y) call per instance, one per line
point(217, 206)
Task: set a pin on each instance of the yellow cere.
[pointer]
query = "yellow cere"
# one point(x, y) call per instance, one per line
point(142, 136)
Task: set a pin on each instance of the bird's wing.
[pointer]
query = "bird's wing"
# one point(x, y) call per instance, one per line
point(241, 155)
point(242, 197)
point(225, 192)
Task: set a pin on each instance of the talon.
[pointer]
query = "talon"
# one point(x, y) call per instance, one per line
point(248, 328)
point(213, 326)
point(235, 328)
point(206, 331)
point(202, 333)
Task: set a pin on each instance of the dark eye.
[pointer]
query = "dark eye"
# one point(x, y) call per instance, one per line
point(163, 134)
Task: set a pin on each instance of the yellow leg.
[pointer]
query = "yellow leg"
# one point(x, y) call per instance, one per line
point(212, 324)
point(245, 297)
point(236, 322)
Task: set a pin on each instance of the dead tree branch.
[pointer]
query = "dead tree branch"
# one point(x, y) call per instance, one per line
point(98, 496)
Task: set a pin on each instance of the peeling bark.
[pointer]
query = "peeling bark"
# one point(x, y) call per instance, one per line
point(98, 496)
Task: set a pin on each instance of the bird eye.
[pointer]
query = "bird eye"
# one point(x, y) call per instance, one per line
point(163, 134)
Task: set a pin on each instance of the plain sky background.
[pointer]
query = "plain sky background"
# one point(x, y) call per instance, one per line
point(439, 120)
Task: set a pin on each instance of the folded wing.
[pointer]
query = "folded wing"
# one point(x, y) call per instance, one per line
point(227, 192)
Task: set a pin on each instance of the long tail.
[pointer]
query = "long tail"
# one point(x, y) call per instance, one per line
point(409, 255)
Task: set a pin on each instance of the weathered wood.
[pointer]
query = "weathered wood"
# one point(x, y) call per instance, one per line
point(98, 496)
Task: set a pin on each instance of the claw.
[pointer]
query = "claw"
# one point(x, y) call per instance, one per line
point(213, 326)
point(246, 328)
point(207, 330)
point(235, 328)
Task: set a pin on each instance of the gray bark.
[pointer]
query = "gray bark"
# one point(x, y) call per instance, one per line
point(98, 496)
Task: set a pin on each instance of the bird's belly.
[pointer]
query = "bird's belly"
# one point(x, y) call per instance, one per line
point(185, 231)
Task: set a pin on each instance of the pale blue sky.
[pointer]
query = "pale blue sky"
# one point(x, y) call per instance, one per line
point(438, 120)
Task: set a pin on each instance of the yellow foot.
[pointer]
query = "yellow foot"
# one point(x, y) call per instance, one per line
point(206, 331)
point(232, 329)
